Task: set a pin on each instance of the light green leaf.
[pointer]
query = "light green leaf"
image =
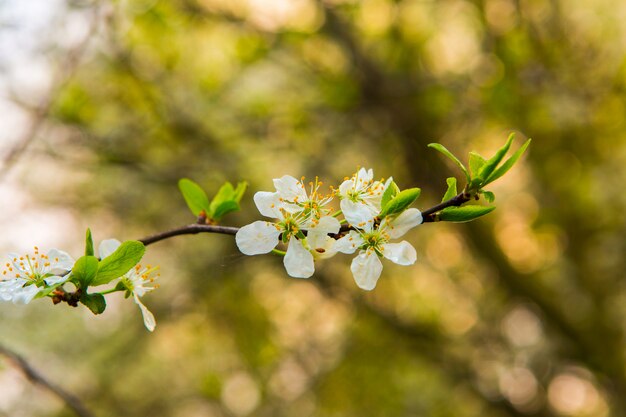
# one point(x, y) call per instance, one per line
point(194, 195)
point(95, 302)
point(451, 192)
point(89, 243)
point(508, 164)
point(464, 213)
point(489, 196)
point(127, 255)
point(493, 162)
point(401, 202)
point(85, 270)
point(446, 152)
point(226, 200)
point(476, 162)
point(390, 192)
point(225, 208)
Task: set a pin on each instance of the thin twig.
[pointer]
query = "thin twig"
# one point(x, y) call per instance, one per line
point(428, 216)
point(37, 378)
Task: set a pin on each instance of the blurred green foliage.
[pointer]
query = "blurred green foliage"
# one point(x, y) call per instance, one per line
point(520, 313)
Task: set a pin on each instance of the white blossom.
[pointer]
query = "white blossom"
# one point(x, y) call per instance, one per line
point(25, 276)
point(137, 281)
point(373, 243)
point(302, 223)
point(361, 197)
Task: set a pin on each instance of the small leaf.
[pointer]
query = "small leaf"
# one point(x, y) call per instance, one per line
point(476, 162)
point(464, 213)
point(493, 162)
point(489, 196)
point(451, 192)
point(85, 270)
point(226, 200)
point(88, 243)
point(446, 152)
point(401, 202)
point(240, 190)
point(390, 192)
point(508, 164)
point(225, 208)
point(119, 262)
point(94, 302)
point(194, 195)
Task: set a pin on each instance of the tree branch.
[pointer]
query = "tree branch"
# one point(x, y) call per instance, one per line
point(37, 378)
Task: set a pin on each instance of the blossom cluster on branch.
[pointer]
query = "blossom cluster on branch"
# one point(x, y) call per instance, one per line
point(375, 213)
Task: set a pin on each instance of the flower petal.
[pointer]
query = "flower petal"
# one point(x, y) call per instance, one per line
point(349, 243)
point(298, 261)
point(407, 220)
point(257, 238)
point(345, 186)
point(10, 287)
point(366, 268)
point(402, 253)
point(56, 280)
point(359, 215)
point(60, 261)
point(268, 204)
point(148, 317)
point(290, 189)
point(107, 247)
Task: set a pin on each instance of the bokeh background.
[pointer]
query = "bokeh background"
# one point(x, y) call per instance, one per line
point(105, 105)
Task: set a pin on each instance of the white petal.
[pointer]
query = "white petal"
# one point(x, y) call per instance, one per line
point(56, 280)
point(407, 220)
point(268, 204)
point(257, 238)
point(148, 317)
point(323, 249)
point(290, 188)
point(328, 224)
point(358, 214)
point(364, 176)
point(349, 243)
point(366, 268)
point(402, 253)
point(25, 295)
point(10, 287)
point(60, 261)
point(298, 261)
point(345, 186)
point(107, 247)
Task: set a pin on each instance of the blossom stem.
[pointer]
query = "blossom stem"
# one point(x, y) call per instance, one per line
point(279, 252)
point(337, 213)
point(111, 290)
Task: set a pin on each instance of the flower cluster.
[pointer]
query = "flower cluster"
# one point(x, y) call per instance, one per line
point(375, 212)
point(37, 275)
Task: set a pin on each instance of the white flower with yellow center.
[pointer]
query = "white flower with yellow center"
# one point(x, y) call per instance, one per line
point(373, 244)
point(361, 197)
point(137, 282)
point(301, 224)
point(26, 275)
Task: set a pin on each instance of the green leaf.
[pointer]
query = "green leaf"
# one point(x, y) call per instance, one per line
point(493, 162)
point(85, 270)
point(489, 196)
point(401, 202)
point(390, 192)
point(240, 190)
point(225, 208)
point(194, 195)
point(94, 302)
point(476, 162)
point(464, 213)
point(226, 200)
point(446, 152)
point(508, 164)
point(89, 243)
point(119, 262)
point(451, 192)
